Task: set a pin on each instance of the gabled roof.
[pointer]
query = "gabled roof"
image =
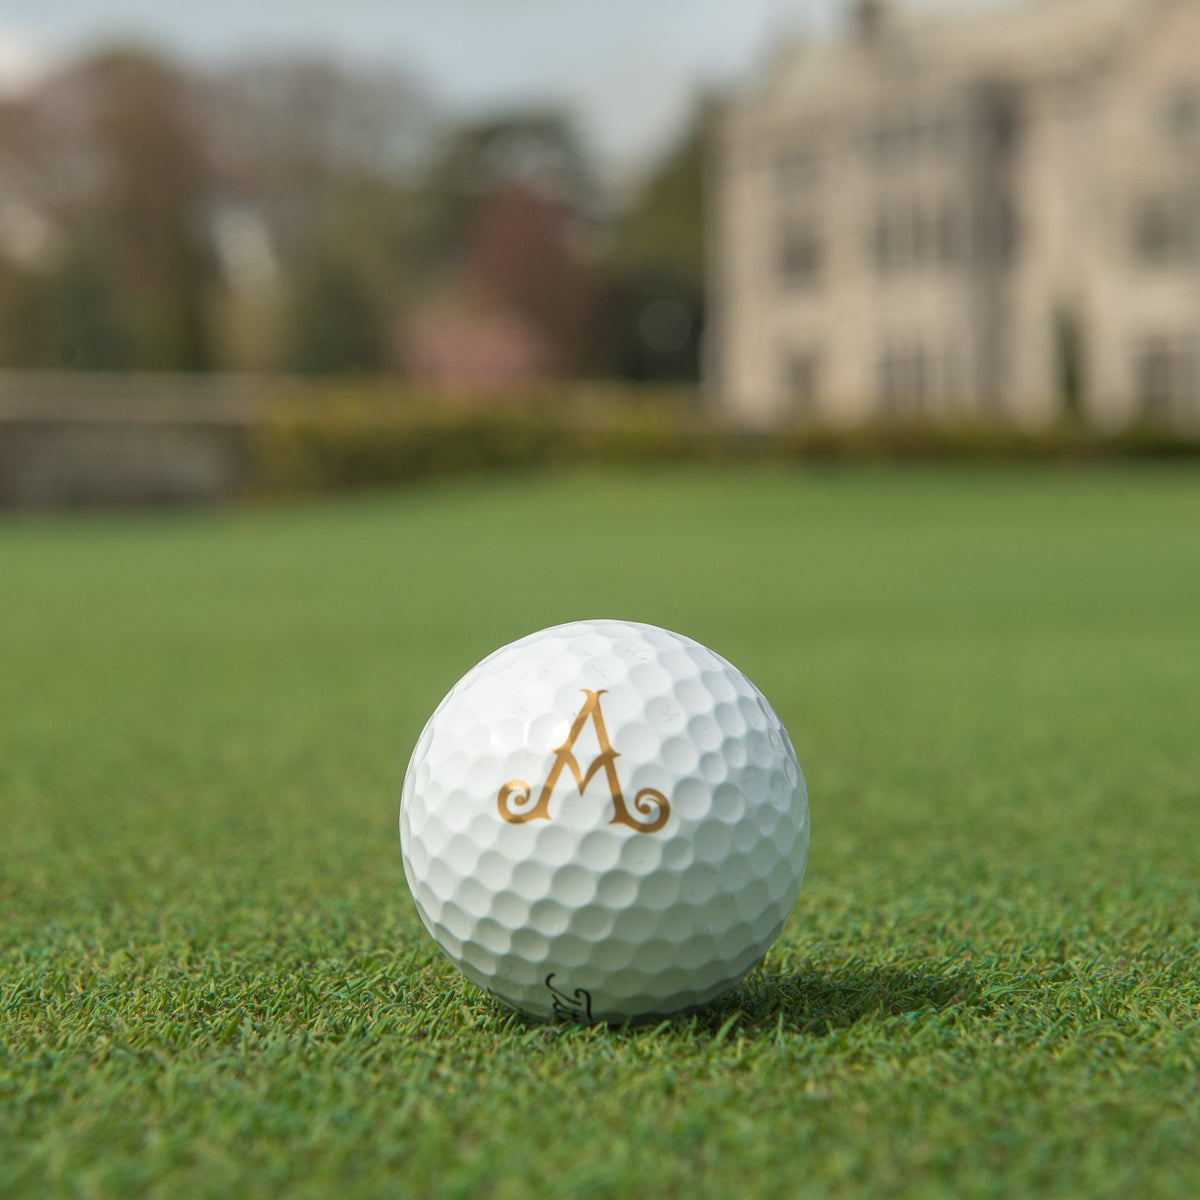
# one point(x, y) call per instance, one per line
point(1021, 40)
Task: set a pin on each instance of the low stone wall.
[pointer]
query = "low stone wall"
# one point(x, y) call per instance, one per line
point(111, 441)
point(75, 440)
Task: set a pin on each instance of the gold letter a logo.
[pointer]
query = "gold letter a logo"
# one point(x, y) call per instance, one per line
point(648, 803)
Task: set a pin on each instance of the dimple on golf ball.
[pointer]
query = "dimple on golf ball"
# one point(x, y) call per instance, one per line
point(606, 821)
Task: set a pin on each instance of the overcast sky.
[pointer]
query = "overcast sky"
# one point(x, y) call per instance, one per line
point(627, 67)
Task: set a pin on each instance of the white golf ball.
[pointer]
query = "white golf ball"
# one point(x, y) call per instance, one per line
point(604, 820)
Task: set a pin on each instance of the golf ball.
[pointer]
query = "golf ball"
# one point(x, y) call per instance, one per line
point(604, 821)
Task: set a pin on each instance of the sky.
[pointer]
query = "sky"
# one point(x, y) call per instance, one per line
point(628, 68)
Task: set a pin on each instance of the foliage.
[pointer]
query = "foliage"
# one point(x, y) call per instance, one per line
point(665, 226)
point(138, 217)
point(653, 326)
point(23, 329)
point(132, 171)
point(327, 162)
point(82, 316)
point(354, 436)
point(335, 325)
point(213, 982)
point(534, 148)
point(348, 434)
point(508, 205)
point(656, 268)
point(253, 217)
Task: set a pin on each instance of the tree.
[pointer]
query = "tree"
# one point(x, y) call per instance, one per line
point(539, 151)
point(297, 136)
point(509, 207)
point(329, 160)
point(335, 324)
point(664, 226)
point(656, 268)
point(152, 186)
point(109, 155)
point(22, 323)
point(81, 315)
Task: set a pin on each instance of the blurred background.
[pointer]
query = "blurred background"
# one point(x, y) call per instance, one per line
point(274, 246)
point(652, 293)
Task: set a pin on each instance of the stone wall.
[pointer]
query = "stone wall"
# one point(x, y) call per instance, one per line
point(76, 440)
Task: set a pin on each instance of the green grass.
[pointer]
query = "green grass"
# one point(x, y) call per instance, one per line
point(212, 980)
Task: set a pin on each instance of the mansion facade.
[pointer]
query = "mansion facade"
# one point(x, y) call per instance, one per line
point(993, 216)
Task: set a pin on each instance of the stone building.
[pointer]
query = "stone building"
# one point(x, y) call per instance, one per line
point(995, 214)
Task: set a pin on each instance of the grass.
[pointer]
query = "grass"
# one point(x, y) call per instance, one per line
point(212, 980)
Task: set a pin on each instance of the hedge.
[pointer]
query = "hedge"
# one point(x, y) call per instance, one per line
point(331, 437)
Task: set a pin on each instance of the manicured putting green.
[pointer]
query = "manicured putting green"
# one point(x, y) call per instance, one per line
point(212, 979)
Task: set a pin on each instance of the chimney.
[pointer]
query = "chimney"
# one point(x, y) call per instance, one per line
point(868, 18)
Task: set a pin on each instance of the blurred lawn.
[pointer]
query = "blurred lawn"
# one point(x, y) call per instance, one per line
point(213, 982)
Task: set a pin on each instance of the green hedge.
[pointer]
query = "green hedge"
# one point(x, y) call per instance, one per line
point(333, 437)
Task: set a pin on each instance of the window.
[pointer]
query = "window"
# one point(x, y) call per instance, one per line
point(942, 132)
point(1164, 230)
point(948, 235)
point(905, 377)
point(891, 238)
point(920, 235)
point(1180, 114)
point(1008, 232)
point(801, 378)
point(998, 231)
point(1167, 376)
point(799, 256)
point(876, 142)
point(882, 253)
point(797, 169)
point(909, 235)
point(914, 373)
point(896, 138)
